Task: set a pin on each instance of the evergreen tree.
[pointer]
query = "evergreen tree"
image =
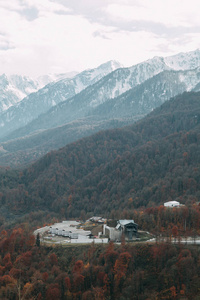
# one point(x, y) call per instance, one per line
point(38, 240)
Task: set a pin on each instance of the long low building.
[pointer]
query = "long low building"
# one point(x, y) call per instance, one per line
point(65, 229)
point(89, 241)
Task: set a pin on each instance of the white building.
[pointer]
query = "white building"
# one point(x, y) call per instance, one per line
point(65, 229)
point(113, 233)
point(85, 240)
point(172, 204)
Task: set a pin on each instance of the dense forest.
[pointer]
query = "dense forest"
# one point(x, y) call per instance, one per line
point(116, 171)
point(144, 271)
point(120, 173)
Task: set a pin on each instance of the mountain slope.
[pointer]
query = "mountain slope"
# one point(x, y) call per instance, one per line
point(184, 61)
point(147, 96)
point(134, 104)
point(14, 88)
point(22, 151)
point(150, 162)
point(109, 87)
point(122, 110)
point(53, 93)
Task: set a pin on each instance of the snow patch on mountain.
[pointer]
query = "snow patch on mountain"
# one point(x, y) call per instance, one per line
point(80, 95)
point(46, 79)
point(14, 88)
point(191, 78)
point(184, 61)
point(52, 94)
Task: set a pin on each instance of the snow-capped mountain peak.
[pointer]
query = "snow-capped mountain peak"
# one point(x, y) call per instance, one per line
point(50, 95)
point(111, 65)
point(97, 86)
point(102, 70)
point(45, 79)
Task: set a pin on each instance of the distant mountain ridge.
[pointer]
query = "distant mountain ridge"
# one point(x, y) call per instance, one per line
point(183, 61)
point(145, 97)
point(109, 92)
point(14, 88)
point(53, 93)
point(138, 101)
point(113, 113)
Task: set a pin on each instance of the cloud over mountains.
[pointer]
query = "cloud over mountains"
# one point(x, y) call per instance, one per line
point(53, 36)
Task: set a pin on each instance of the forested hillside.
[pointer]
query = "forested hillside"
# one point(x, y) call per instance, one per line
point(159, 271)
point(24, 151)
point(155, 160)
point(95, 108)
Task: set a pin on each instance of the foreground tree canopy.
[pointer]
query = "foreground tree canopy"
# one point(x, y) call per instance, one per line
point(159, 271)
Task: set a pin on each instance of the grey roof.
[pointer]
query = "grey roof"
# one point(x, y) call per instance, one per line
point(125, 222)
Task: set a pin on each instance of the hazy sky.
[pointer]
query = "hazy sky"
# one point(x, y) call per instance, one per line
point(55, 36)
